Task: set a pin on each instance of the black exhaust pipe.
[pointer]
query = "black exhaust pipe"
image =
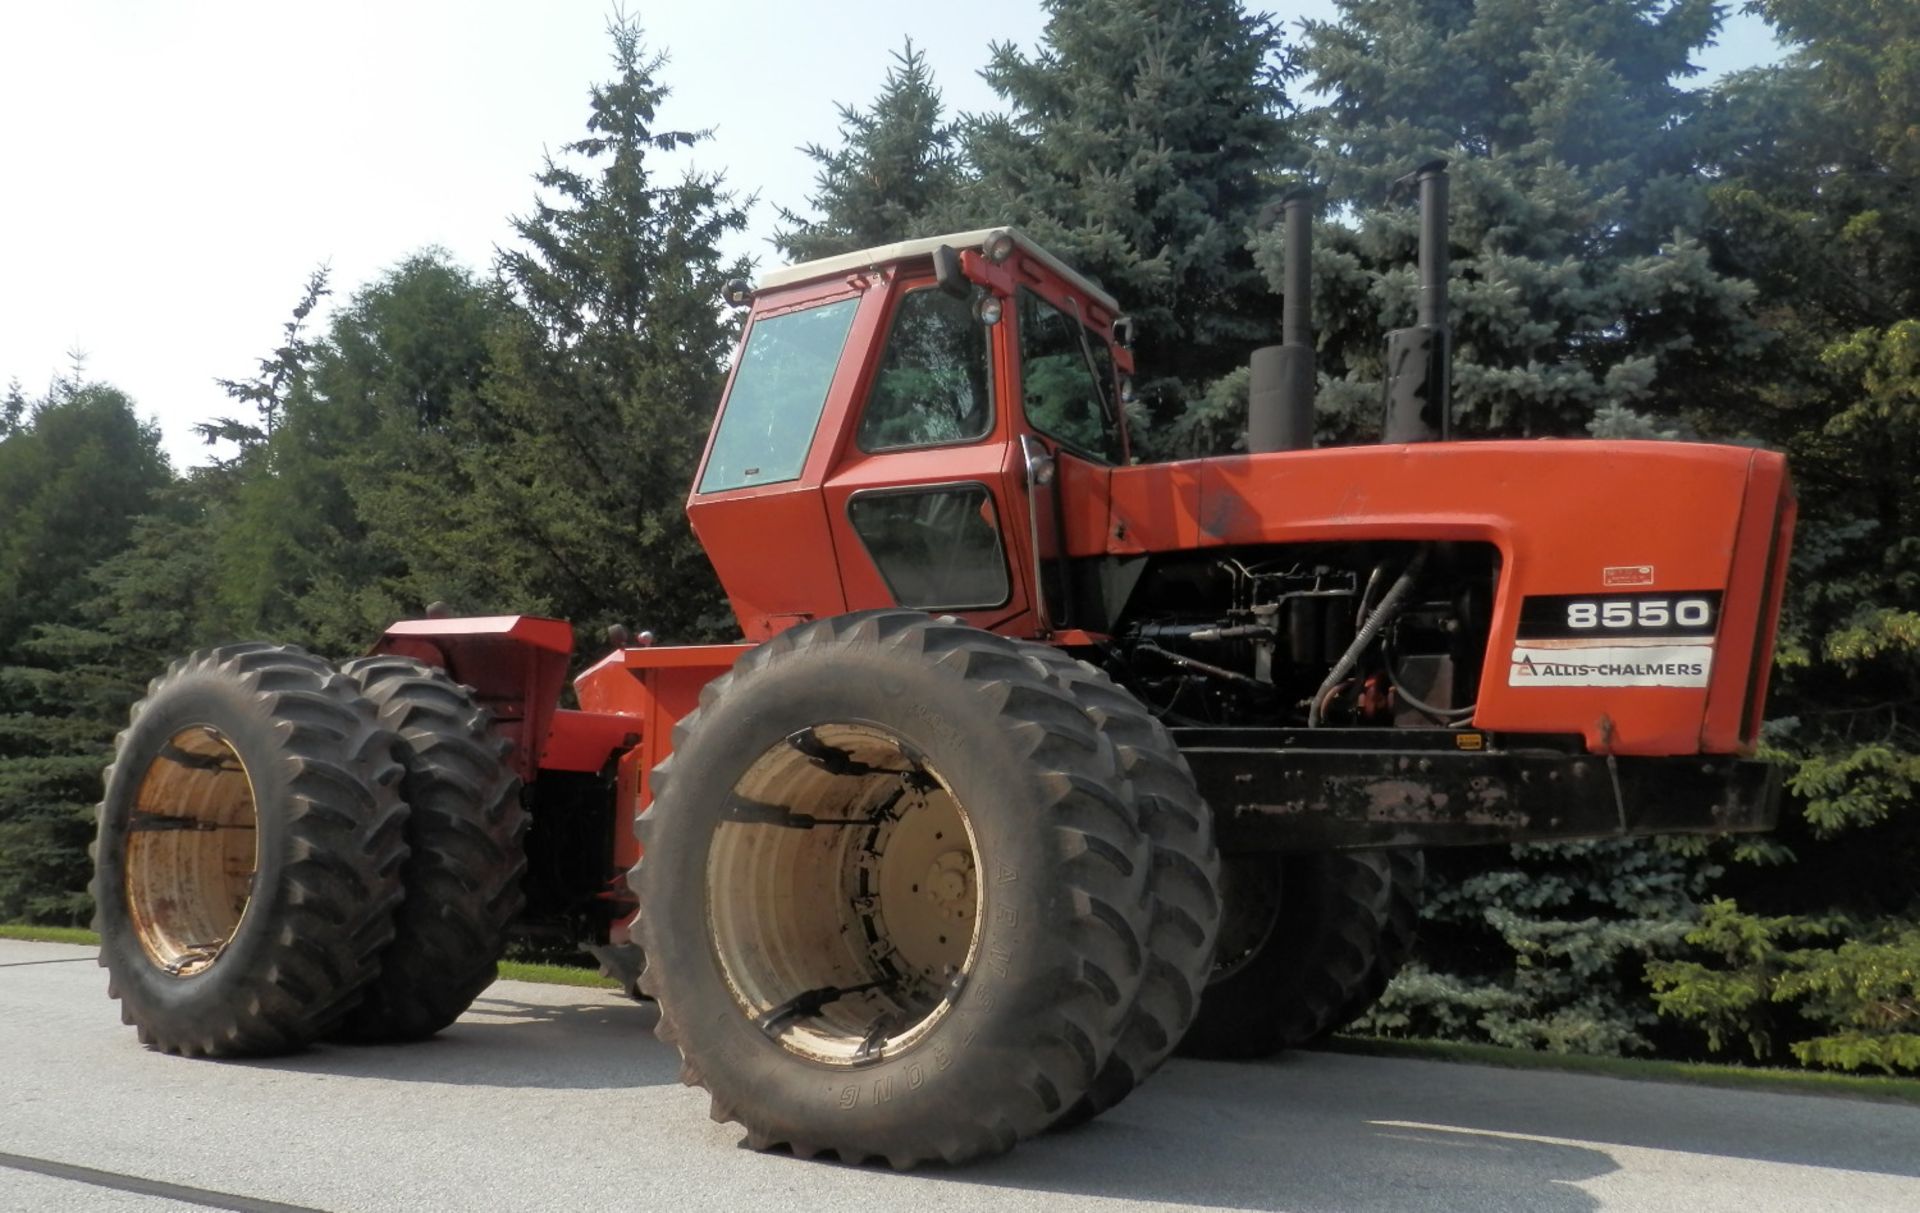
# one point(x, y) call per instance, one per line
point(1418, 386)
point(1281, 383)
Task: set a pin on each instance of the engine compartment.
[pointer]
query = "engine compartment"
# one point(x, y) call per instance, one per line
point(1311, 634)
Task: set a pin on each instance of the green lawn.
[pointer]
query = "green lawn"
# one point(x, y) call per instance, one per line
point(556, 975)
point(10, 930)
point(513, 970)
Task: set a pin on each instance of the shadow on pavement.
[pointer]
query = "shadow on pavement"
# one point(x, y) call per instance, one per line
point(1306, 1131)
point(1231, 1136)
point(1323, 1131)
point(508, 1041)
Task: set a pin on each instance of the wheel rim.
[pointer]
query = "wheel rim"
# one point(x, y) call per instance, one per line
point(192, 848)
point(845, 940)
point(1250, 901)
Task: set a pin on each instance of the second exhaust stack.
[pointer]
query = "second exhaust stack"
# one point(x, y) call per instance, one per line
point(1419, 403)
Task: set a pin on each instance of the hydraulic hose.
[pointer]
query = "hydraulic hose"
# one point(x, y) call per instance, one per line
point(1382, 615)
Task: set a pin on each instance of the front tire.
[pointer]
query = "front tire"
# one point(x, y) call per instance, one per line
point(892, 901)
point(247, 866)
point(1308, 944)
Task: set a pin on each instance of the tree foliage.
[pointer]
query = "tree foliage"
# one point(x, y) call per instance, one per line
point(77, 469)
point(1819, 169)
point(605, 373)
point(1141, 142)
point(1582, 293)
point(896, 173)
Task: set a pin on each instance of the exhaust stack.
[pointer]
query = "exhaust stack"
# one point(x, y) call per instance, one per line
point(1281, 377)
point(1418, 404)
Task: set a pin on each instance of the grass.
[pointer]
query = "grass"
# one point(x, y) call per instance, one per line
point(555, 975)
point(1783, 1081)
point(17, 930)
point(511, 970)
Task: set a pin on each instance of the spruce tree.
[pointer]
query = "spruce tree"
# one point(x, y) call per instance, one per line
point(75, 473)
point(896, 173)
point(1142, 142)
point(605, 375)
point(1583, 297)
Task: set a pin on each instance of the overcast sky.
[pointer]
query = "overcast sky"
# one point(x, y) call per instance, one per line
point(171, 172)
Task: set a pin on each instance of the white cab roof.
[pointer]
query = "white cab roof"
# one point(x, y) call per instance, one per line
point(849, 263)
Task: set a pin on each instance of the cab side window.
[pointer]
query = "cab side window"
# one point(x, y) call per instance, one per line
point(1066, 376)
point(933, 386)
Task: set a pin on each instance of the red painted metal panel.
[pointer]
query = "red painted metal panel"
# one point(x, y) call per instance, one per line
point(1746, 633)
point(516, 665)
point(775, 554)
point(554, 635)
point(586, 741)
point(649, 689)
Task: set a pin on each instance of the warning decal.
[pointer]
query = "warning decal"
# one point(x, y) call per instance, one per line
point(1607, 663)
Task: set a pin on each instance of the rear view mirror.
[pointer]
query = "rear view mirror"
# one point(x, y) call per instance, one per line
point(948, 275)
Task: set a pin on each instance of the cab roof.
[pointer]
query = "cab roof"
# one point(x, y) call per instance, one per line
point(846, 263)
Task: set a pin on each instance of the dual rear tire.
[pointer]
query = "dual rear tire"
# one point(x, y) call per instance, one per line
point(287, 851)
point(910, 902)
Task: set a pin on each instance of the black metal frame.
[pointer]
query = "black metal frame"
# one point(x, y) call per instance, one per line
point(1356, 789)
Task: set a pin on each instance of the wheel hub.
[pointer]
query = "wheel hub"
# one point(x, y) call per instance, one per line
point(843, 900)
point(191, 851)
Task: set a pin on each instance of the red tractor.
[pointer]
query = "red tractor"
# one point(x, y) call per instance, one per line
point(1035, 763)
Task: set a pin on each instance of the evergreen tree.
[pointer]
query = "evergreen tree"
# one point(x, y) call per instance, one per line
point(13, 408)
point(73, 475)
point(1582, 295)
point(269, 511)
point(1819, 201)
point(76, 470)
point(1143, 140)
point(896, 173)
point(605, 378)
point(280, 375)
point(1549, 946)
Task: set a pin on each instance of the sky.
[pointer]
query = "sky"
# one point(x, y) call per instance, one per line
point(171, 172)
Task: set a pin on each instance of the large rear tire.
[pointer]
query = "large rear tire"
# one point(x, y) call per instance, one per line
point(1183, 881)
point(1308, 943)
point(892, 899)
point(465, 862)
point(247, 866)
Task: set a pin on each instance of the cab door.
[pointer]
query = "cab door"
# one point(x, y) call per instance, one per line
point(927, 497)
point(1071, 438)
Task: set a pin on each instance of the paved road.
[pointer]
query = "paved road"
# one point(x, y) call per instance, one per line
point(546, 1097)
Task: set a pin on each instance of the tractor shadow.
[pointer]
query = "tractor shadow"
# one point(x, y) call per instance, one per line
point(1253, 1136)
point(556, 1038)
point(1313, 1131)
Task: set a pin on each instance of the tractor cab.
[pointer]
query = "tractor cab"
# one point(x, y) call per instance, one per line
point(901, 427)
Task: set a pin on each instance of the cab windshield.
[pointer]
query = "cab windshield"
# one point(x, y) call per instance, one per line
point(767, 423)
